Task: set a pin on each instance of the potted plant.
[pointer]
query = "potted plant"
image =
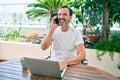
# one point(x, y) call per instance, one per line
point(1, 34)
point(93, 33)
point(110, 47)
point(33, 37)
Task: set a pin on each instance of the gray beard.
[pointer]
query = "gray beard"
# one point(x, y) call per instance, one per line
point(63, 25)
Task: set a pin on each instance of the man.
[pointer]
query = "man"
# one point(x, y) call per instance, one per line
point(67, 42)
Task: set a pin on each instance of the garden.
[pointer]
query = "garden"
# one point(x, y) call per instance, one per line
point(19, 35)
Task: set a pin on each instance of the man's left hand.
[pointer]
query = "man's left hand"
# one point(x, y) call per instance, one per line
point(62, 64)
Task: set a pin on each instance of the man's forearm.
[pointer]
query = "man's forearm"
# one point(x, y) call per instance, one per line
point(81, 56)
point(47, 40)
point(75, 60)
point(71, 61)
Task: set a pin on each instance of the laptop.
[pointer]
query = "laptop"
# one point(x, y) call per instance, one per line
point(44, 67)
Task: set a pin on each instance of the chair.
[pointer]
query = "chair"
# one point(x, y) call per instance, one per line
point(2, 60)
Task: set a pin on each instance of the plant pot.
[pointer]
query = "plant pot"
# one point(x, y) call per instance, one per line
point(93, 38)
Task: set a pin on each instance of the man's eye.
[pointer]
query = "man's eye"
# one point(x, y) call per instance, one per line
point(64, 14)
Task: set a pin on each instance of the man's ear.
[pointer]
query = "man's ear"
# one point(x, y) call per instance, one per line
point(70, 17)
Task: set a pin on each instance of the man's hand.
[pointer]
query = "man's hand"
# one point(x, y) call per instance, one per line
point(62, 64)
point(53, 24)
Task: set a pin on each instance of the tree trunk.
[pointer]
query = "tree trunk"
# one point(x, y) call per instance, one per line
point(105, 27)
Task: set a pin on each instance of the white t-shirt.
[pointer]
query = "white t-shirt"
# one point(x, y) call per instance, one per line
point(64, 44)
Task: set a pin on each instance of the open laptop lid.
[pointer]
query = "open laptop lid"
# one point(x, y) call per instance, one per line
point(44, 67)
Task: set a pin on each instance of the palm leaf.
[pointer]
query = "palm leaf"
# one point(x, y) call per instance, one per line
point(44, 7)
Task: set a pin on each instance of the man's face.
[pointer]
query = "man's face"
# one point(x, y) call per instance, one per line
point(64, 16)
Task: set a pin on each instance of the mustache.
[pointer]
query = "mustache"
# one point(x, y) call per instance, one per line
point(62, 19)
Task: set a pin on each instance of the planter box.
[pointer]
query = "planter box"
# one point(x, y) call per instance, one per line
point(93, 38)
point(106, 64)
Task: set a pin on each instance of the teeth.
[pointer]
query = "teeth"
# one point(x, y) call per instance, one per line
point(61, 20)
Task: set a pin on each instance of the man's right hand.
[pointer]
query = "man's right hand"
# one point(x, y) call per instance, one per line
point(53, 25)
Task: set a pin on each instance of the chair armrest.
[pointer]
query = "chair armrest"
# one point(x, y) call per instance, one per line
point(85, 62)
point(48, 57)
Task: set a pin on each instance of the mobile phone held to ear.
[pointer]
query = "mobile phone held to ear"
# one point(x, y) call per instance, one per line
point(56, 21)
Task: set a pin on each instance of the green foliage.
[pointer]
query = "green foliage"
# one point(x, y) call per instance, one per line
point(118, 66)
point(92, 12)
point(114, 36)
point(113, 45)
point(77, 10)
point(103, 12)
point(45, 8)
point(103, 48)
point(12, 34)
point(1, 32)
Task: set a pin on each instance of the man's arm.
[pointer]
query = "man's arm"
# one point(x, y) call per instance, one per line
point(81, 56)
point(48, 39)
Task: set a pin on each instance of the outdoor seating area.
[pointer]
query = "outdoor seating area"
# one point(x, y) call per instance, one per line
point(25, 23)
point(19, 50)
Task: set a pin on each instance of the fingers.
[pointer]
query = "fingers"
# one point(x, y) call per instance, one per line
point(53, 23)
point(54, 18)
point(62, 65)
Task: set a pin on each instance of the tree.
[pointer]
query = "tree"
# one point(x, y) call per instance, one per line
point(92, 13)
point(77, 10)
point(111, 14)
point(45, 8)
point(110, 10)
point(92, 10)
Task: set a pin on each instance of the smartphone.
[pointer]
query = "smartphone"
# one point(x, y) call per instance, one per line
point(56, 21)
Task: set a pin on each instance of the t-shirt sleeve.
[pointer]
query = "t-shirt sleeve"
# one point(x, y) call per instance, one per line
point(79, 38)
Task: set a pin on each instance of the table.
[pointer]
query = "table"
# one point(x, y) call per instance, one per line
point(12, 70)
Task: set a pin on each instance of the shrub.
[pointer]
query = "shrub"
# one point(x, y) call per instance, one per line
point(113, 45)
point(12, 34)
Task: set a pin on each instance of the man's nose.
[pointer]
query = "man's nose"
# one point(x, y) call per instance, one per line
point(61, 16)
